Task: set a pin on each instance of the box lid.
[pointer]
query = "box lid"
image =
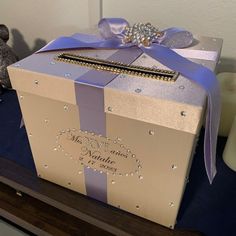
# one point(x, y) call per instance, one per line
point(134, 97)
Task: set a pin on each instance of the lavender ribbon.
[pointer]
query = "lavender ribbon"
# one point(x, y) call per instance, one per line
point(112, 35)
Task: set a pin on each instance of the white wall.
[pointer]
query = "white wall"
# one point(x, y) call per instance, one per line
point(32, 23)
point(216, 18)
point(35, 22)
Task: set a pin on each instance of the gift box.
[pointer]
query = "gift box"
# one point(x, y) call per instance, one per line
point(124, 139)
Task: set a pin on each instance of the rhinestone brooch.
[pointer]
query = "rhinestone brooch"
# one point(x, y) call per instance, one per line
point(141, 34)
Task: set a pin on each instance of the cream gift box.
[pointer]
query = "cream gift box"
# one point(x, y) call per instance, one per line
point(129, 143)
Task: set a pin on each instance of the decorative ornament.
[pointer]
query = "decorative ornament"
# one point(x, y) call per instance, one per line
point(7, 57)
point(142, 34)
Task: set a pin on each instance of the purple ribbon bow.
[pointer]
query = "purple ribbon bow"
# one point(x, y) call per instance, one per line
point(114, 36)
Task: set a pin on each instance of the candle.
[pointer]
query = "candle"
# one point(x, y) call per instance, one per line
point(227, 82)
point(229, 154)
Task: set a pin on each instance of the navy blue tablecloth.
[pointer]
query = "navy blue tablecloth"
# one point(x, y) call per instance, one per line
point(210, 209)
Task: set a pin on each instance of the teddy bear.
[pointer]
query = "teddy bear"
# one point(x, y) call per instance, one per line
point(7, 57)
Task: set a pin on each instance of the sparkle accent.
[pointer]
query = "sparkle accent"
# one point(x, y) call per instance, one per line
point(140, 177)
point(173, 167)
point(65, 108)
point(113, 182)
point(52, 63)
point(171, 204)
point(183, 113)
point(141, 34)
point(36, 82)
point(151, 132)
point(138, 90)
point(109, 109)
point(67, 74)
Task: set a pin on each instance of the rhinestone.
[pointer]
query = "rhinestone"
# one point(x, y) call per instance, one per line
point(55, 149)
point(21, 97)
point(30, 134)
point(183, 113)
point(46, 121)
point(69, 183)
point(151, 132)
point(181, 87)
point(173, 167)
point(65, 108)
point(171, 204)
point(67, 74)
point(109, 109)
point(133, 155)
point(80, 172)
point(36, 82)
point(113, 182)
point(45, 166)
point(137, 207)
point(138, 90)
point(140, 177)
point(52, 63)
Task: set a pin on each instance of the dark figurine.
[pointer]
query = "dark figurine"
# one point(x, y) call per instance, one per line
point(7, 57)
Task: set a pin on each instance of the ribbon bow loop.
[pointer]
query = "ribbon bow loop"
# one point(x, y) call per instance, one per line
point(112, 27)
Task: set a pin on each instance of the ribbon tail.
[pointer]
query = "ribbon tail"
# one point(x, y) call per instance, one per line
point(66, 43)
point(207, 80)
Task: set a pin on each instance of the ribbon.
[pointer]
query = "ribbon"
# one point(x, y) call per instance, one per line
point(112, 32)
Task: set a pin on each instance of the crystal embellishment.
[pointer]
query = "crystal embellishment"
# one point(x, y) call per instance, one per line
point(141, 34)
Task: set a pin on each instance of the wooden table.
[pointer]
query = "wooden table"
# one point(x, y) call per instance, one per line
point(44, 208)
